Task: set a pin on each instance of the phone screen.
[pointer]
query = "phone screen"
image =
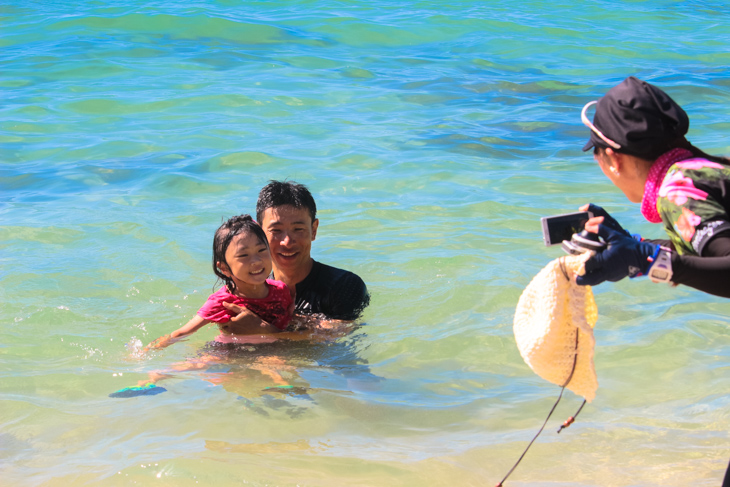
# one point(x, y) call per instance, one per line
point(557, 228)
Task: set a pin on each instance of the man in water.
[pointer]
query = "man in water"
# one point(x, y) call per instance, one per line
point(288, 214)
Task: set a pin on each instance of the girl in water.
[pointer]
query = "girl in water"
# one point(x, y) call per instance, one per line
point(241, 259)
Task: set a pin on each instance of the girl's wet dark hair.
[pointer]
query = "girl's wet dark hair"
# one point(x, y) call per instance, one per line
point(225, 234)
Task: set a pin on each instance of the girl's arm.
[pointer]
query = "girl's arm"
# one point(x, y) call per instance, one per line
point(189, 328)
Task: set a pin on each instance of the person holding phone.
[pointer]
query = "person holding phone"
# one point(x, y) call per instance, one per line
point(638, 139)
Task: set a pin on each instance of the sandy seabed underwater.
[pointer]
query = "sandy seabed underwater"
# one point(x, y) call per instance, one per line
point(433, 138)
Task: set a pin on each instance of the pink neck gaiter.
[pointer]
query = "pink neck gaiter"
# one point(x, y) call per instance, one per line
point(654, 181)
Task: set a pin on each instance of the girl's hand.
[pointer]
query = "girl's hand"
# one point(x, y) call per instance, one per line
point(161, 342)
point(242, 314)
point(246, 320)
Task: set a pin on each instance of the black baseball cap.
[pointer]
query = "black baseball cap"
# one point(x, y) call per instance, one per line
point(637, 118)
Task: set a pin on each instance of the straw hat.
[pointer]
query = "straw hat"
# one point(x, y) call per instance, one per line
point(553, 326)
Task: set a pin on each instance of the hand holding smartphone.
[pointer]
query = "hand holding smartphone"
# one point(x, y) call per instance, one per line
point(557, 228)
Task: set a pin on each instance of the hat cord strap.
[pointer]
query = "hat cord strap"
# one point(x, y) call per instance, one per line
point(569, 421)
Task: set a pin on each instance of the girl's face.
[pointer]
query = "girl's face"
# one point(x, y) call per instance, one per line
point(248, 262)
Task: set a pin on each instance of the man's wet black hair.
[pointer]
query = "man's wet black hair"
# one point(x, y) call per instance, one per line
point(225, 234)
point(282, 193)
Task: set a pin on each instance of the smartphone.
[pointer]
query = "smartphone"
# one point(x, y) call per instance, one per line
point(557, 228)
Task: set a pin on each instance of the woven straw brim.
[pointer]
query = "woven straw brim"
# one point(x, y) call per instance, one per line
point(551, 314)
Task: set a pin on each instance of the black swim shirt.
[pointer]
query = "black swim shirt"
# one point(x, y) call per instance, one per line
point(336, 293)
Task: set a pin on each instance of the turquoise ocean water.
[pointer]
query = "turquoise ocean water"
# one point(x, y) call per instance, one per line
point(433, 136)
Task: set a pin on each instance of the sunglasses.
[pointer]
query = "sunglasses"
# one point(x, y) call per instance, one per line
point(590, 125)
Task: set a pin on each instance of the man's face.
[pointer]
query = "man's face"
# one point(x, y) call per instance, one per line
point(290, 232)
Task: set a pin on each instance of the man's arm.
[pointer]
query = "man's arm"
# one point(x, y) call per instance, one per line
point(348, 297)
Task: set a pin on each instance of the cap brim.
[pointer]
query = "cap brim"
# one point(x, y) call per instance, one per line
point(589, 145)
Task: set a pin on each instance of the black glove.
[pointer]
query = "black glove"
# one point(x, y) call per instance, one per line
point(624, 256)
point(608, 220)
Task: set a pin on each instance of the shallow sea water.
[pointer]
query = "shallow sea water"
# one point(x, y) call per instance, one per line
point(433, 138)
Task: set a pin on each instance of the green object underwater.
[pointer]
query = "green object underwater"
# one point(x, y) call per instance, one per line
point(146, 390)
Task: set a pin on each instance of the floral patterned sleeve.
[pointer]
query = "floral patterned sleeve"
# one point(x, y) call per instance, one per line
point(694, 203)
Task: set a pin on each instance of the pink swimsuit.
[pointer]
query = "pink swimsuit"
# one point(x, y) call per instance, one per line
point(273, 309)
